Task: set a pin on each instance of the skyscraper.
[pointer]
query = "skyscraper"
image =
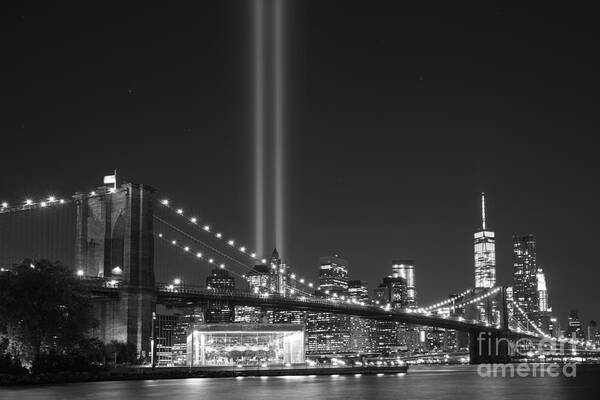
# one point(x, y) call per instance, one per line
point(542, 291)
point(405, 269)
point(358, 290)
point(216, 312)
point(525, 274)
point(333, 275)
point(329, 333)
point(485, 253)
point(574, 330)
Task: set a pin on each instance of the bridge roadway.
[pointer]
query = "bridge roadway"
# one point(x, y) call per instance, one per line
point(191, 295)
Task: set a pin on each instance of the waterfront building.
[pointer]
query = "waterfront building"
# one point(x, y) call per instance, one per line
point(246, 344)
point(525, 275)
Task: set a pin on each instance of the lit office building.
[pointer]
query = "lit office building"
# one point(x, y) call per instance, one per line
point(220, 279)
point(216, 312)
point(261, 279)
point(333, 275)
point(542, 291)
point(593, 334)
point(246, 344)
point(574, 330)
point(405, 269)
point(525, 270)
point(269, 278)
point(327, 333)
point(392, 291)
point(358, 290)
point(164, 329)
point(181, 330)
point(360, 328)
point(485, 253)
point(249, 315)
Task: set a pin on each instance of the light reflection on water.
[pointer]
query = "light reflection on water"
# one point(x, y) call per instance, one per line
point(442, 383)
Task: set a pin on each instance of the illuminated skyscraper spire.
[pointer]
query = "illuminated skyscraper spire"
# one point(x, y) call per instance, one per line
point(485, 253)
point(482, 210)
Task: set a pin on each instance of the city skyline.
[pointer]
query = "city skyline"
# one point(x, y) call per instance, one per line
point(399, 184)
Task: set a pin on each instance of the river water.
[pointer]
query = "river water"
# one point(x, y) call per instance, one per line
point(426, 383)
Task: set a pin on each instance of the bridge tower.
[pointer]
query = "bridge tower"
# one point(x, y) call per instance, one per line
point(114, 240)
point(487, 347)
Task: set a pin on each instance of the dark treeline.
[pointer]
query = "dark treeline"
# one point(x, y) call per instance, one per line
point(45, 320)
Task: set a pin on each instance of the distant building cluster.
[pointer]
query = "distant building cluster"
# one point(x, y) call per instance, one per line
point(326, 335)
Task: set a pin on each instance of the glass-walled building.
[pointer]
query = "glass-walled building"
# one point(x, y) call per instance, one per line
point(246, 344)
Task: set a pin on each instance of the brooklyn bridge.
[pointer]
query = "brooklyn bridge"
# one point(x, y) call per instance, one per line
point(138, 251)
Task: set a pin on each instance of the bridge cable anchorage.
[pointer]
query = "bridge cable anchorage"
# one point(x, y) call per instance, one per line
point(243, 250)
point(211, 261)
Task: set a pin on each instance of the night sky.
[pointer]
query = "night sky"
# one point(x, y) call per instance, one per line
point(396, 119)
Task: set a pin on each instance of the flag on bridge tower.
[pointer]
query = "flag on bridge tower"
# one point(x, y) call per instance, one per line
point(111, 179)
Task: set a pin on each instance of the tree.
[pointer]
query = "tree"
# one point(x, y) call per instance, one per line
point(8, 364)
point(43, 308)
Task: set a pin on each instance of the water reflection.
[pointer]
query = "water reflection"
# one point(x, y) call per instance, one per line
point(432, 384)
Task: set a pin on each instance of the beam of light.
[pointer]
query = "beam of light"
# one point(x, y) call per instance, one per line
point(259, 124)
point(278, 127)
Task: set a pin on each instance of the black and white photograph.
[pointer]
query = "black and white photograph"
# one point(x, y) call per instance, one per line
point(292, 199)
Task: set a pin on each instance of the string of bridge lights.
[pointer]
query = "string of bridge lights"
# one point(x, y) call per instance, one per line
point(242, 249)
point(535, 327)
point(446, 302)
point(199, 255)
point(476, 299)
point(51, 200)
point(29, 204)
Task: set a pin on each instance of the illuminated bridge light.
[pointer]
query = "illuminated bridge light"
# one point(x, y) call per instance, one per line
point(4, 204)
point(193, 220)
point(231, 242)
point(310, 284)
point(28, 202)
point(174, 242)
point(186, 248)
point(264, 260)
point(253, 255)
point(43, 204)
point(219, 235)
point(164, 202)
point(160, 235)
point(62, 201)
point(92, 193)
point(199, 255)
point(79, 272)
point(180, 211)
point(210, 260)
point(177, 281)
point(243, 249)
point(51, 199)
point(206, 228)
point(222, 266)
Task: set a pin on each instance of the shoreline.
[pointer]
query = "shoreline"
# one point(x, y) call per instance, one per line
point(122, 374)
